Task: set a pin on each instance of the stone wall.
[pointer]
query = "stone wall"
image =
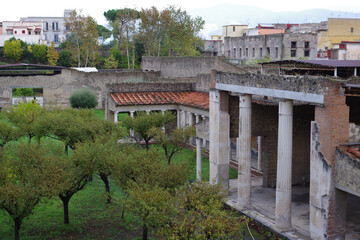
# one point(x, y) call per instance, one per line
point(354, 133)
point(305, 84)
point(149, 86)
point(273, 46)
point(57, 88)
point(183, 67)
point(347, 172)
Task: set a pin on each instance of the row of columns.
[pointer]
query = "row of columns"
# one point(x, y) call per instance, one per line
point(219, 155)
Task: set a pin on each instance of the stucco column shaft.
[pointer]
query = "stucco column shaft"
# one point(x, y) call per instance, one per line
point(244, 168)
point(355, 71)
point(191, 119)
point(131, 130)
point(197, 118)
point(219, 137)
point(148, 111)
point(163, 127)
point(178, 117)
point(284, 166)
point(198, 158)
point(260, 156)
point(335, 72)
point(204, 140)
point(116, 116)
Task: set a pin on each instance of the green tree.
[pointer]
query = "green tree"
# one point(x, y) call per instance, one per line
point(123, 22)
point(200, 214)
point(39, 53)
point(149, 183)
point(169, 32)
point(83, 42)
point(28, 173)
point(13, 50)
point(26, 117)
point(173, 142)
point(65, 58)
point(83, 98)
point(52, 55)
point(110, 62)
point(8, 133)
point(143, 122)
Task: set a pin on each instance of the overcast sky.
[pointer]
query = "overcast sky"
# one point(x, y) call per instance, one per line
point(13, 10)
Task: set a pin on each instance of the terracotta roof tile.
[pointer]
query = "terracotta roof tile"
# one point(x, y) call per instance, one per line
point(192, 99)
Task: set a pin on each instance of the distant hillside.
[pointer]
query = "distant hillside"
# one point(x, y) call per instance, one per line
point(223, 14)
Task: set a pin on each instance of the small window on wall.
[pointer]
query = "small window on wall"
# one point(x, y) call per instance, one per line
point(276, 52)
point(307, 53)
point(253, 52)
point(233, 29)
point(293, 44)
point(293, 53)
point(260, 52)
point(307, 44)
point(56, 38)
point(240, 52)
point(352, 29)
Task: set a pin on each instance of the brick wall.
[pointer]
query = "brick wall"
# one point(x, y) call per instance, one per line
point(347, 172)
point(333, 120)
point(265, 123)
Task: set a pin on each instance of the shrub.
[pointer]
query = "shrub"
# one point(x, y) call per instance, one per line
point(83, 98)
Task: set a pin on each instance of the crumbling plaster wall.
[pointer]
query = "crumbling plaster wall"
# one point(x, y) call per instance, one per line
point(187, 67)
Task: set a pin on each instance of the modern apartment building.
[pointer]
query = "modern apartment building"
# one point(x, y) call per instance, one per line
point(54, 28)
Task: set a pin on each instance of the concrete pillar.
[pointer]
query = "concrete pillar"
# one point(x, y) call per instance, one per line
point(244, 161)
point(116, 116)
point(198, 159)
point(335, 72)
point(260, 155)
point(284, 166)
point(219, 126)
point(131, 130)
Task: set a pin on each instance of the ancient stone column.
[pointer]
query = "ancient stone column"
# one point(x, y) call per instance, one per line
point(219, 137)
point(116, 116)
point(244, 161)
point(198, 151)
point(284, 166)
point(259, 159)
point(131, 130)
point(178, 117)
point(163, 127)
point(204, 140)
point(198, 158)
point(148, 111)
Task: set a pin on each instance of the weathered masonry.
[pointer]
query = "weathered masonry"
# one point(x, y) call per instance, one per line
point(301, 119)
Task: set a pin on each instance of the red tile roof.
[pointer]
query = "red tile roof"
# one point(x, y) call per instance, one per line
point(195, 99)
point(192, 99)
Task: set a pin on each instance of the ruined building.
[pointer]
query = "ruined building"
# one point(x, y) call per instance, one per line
point(294, 139)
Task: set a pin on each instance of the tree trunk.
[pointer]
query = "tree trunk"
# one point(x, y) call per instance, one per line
point(105, 179)
point(147, 144)
point(145, 232)
point(133, 58)
point(65, 200)
point(17, 222)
